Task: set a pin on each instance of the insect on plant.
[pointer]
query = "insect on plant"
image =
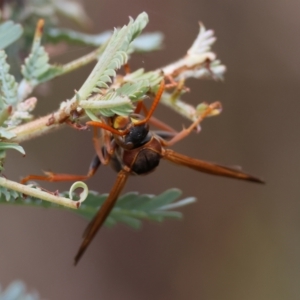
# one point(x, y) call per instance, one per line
point(127, 144)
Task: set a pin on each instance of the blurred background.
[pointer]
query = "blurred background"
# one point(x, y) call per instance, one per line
point(239, 240)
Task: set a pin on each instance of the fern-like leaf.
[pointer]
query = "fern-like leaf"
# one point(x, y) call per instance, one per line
point(36, 64)
point(8, 84)
point(108, 106)
point(114, 56)
point(153, 78)
point(119, 101)
point(130, 209)
point(8, 101)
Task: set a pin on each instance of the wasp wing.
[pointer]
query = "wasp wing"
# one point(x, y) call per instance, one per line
point(102, 214)
point(207, 167)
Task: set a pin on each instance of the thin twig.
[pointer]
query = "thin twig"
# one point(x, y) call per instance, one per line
point(37, 193)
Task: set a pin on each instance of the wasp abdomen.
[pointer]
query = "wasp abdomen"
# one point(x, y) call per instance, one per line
point(145, 159)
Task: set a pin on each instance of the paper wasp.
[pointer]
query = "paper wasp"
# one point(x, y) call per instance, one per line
point(132, 149)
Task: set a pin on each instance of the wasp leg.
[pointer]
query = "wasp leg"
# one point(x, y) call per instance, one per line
point(166, 135)
point(154, 104)
point(186, 131)
point(102, 214)
point(153, 121)
point(127, 69)
point(56, 177)
point(107, 127)
point(104, 152)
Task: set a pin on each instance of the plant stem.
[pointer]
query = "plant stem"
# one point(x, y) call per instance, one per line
point(34, 129)
point(37, 193)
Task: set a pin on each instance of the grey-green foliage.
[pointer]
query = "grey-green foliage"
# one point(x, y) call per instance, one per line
point(8, 84)
point(114, 56)
point(145, 42)
point(36, 68)
point(130, 208)
point(137, 86)
point(9, 195)
point(8, 101)
point(9, 33)
point(138, 83)
point(36, 64)
point(17, 291)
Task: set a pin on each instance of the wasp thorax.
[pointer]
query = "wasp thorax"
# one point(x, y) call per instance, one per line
point(137, 135)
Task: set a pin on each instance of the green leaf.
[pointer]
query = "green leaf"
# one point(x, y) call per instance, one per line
point(8, 195)
point(107, 105)
point(146, 42)
point(9, 33)
point(56, 35)
point(72, 10)
point(114, 56)
point(119, 101)
point(7, 146)
point(162, 200)
point(8, 84)
point(130, 208)
point(5, 134)
point(134, 91)
point(140, 80)
point(36, 64)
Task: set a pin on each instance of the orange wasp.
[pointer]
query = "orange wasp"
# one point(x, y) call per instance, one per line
point(132, 149)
